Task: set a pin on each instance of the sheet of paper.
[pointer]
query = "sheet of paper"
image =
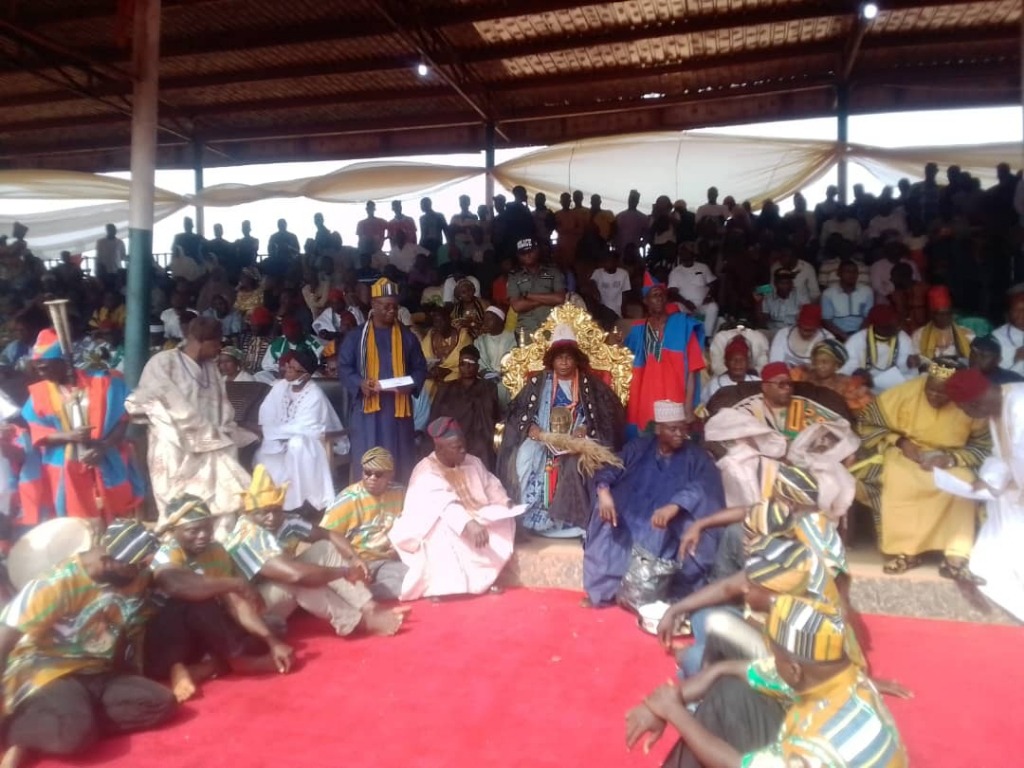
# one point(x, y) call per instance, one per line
point(950, 483)
point(887, 379)
point(7, 407)
point(396, 383)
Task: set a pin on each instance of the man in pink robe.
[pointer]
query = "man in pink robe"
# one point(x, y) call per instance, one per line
point(456, 529)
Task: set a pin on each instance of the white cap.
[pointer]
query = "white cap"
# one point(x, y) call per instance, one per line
point(562, 334)
point(495, 310)
point(668, 411)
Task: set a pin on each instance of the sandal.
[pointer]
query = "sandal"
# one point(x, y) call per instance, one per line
point(959, 571)
point(901, 564)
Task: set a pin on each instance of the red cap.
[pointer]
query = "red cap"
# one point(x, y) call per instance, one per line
point(261, 316)
point(810, 316)
point(737, 346)
point(336, 294)
point(967, 385)
point(772, 370)
point(883, 314)
point(939, 298)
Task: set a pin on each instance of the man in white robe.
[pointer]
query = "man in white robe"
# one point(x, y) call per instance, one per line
point(881, 349)
point(296, 417)
point(996, 557)
point(193, 438)
point(456, 530)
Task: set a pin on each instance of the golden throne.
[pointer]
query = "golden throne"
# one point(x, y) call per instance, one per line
point(613, 363)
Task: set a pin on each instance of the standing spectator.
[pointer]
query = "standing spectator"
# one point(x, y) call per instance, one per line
point(247, 248)
point(612, 282)
point(631, 226)
point(463, 225)
point(433, 227)
point(894, 252)
point(282, 244)
point(695, 283)
point(517, 224)
point(188, 243)
point(219, 248)
point(110, 254)
point(400, 222)
point(543, 218)
point(533, 289)
point(712, 209)
point(570, 230)
point(370, 231)
point(843, 225)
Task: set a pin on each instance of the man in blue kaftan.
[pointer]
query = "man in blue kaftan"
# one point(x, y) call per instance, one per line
point(665, 484)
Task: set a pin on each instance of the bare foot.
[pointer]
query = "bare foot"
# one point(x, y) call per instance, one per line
point(182, 685)
point(13, 757)
point(383, 621)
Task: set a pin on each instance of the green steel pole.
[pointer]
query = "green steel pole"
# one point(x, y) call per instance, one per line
point(146, 65)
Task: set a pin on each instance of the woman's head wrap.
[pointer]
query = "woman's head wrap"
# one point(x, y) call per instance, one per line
point(378, 459)
point(128, 541)
point(833, 349)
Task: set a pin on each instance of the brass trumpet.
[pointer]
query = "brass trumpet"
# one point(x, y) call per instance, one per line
point(75, 407)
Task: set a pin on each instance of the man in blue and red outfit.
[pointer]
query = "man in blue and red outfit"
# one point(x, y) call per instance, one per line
point(668, 355)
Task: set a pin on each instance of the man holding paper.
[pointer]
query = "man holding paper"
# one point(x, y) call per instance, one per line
point(382, 367)
point(911, 430)
point(996, 557)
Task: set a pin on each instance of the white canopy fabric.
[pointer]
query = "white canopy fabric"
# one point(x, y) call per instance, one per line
point(680, 165)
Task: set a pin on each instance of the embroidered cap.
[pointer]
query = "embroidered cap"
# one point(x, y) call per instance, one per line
point(667, 411)
point(807, 629)
point(780, 565)
point(526, 245)
point(943, 368)
point(128, 541)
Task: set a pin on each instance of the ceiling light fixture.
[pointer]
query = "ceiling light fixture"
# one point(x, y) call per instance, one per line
point(653, 95)
point(868, 11)
point(422, 69)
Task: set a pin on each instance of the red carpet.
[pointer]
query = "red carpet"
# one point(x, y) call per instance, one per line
point(529, 678)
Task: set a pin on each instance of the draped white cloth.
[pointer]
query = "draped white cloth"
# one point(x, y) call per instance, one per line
point(996, 555)
point(293, 452)
point(679, 165)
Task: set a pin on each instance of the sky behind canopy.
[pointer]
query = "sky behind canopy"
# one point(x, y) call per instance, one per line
point(904, 129)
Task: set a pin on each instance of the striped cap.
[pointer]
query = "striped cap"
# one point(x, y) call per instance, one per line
point(382, 288)
point(186, 509)
point(768, 518)
point(796, 485)
point(780, 565)
point(47, 346)
point(807, 629)
point(128, 541)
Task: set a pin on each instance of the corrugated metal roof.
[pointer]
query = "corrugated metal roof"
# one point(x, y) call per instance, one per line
point(253, 69)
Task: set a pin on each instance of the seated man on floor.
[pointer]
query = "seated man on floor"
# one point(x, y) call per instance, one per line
point(327, 579)
point(364, 513)
point(457, 529)
point(665, 483)
point(66, 642)
point(190, 641)
point(834, 712)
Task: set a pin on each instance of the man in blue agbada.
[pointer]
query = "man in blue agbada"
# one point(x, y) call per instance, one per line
point(382, 349)
point(665, 484)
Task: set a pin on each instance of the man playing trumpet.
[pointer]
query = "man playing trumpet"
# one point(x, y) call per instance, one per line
point(77, 422)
